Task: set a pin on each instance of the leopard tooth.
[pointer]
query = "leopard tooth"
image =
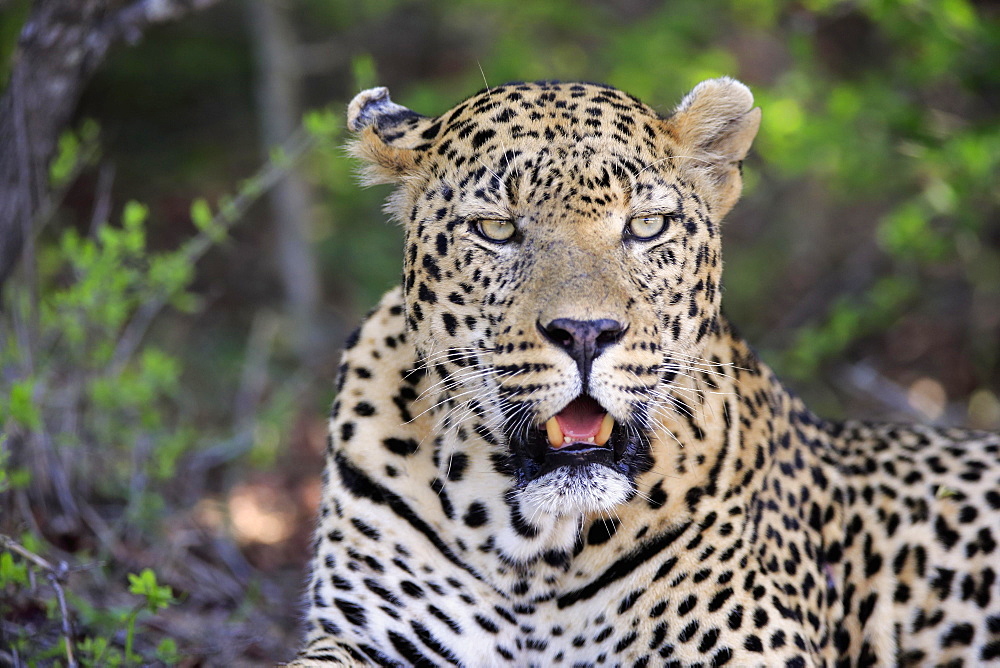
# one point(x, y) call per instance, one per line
point(604, 433)
point(554, 433)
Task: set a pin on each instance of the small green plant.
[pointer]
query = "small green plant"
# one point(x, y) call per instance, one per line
point(79, 352)
point(91, 412)
point(156, 597)
point(98, 649)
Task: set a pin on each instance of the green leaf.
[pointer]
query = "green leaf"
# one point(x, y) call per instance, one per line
point(168, 452)
point(12, 572)
point(321, 123)
point(278, 156)
point(169, 273)
point(94, 650)
point(31, 542)
point(67, 156)
point(90, 131)
point(159, 369)
point(21, 406)
point(167, 652)
point(134, 214)
point(186, 302)
point(144, 584)
point(20, 478)
point(201, 214)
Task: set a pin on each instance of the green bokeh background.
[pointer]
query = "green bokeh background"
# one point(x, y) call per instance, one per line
point(868, 235)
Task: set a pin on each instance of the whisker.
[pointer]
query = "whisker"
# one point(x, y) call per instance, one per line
point(506, 153)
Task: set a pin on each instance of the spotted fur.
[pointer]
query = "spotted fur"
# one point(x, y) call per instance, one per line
point(722, 524)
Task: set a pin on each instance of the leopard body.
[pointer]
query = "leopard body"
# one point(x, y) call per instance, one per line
point(722, 523)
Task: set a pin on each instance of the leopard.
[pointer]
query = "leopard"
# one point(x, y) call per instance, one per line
point(549, 446)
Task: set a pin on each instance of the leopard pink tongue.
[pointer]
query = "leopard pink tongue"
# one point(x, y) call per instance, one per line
point(581, 419)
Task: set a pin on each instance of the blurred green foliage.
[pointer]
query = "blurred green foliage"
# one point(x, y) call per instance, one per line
point(885, 112)
point(877, 155)
point(95, 406)
point(869, 232)
point(81, 376)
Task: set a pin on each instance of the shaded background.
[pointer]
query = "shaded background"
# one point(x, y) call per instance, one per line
point(863, 263)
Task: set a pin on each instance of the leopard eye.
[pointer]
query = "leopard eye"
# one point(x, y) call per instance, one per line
point(496, 229)
point(647, 227)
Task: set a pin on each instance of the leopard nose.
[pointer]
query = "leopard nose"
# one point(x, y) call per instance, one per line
point(583, 340)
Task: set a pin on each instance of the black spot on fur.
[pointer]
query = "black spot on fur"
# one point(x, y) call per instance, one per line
point(402, 447)
point(365, 529)
point(450, 323)
point(353, 612)
point(476, 516)
point(482, 137)
point(364, 409)
point(601, 531)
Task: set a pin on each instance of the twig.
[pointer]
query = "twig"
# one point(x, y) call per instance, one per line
point(46, 209)
point(57, 472)
point(12, 545)
point(130, 22)
point(24, 508)
point(55, 575)
point(102, 200)
point(104, 533)
point(270, 174)
point(64, 614)
point(25, 215)
point(253, 381)
point(225, 218)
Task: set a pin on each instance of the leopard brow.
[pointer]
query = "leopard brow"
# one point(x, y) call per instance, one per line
point(500, 207)
point(642, 198)
point(482, 212)
point(653, 205)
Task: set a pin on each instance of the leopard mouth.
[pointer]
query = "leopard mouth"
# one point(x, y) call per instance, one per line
point(582, 421)
point(579, 436)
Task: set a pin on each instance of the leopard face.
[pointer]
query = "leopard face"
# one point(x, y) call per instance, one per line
point(562, 267)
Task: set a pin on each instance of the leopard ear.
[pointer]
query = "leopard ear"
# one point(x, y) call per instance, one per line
point(390, 138)
point(715, 124)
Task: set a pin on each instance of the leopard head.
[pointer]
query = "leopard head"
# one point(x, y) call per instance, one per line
point(562, 263)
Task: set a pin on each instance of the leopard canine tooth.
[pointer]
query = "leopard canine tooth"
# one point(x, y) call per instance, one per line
point(604, 433)
point(554, 433)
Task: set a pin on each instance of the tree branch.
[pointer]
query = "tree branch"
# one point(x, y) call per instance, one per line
point(60, 46)
point(128, 24)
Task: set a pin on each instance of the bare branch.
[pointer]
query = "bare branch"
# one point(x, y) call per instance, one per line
point(10, 544)
point(67, 630)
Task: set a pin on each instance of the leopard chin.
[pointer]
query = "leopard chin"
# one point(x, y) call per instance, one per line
point(576, 490)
